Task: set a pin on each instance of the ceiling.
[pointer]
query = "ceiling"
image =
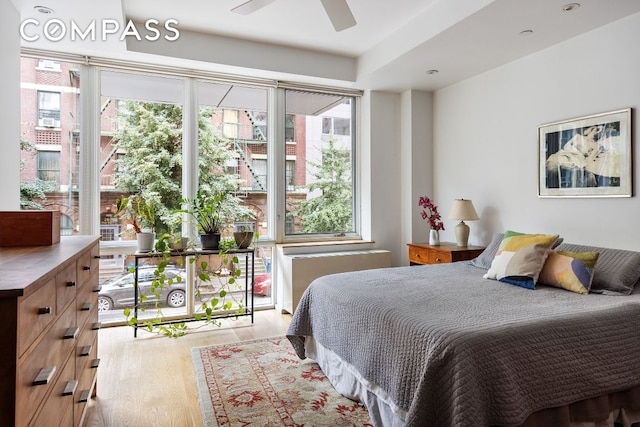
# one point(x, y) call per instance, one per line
point(392, 46)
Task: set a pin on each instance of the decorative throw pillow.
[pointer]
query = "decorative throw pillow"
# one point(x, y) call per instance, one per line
point(485, 259)
point(618, 269)
point(520, 258)
point(572, 271)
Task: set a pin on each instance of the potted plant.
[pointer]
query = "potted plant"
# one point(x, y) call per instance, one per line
point(207, 212)
point(244, 229)
point(141, 217)
point(174, 239)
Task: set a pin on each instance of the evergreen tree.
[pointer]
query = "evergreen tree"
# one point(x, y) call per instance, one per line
point(151, 136)
point(331, 210)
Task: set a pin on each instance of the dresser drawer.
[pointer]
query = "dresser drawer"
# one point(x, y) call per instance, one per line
point(87, 263)
point(37, 311)
point(51, 354)
point(87, 301)
point(59, 406)
point(86, 371)
point(66, 286)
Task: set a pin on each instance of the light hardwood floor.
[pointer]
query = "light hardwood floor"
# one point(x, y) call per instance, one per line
point(150, 381)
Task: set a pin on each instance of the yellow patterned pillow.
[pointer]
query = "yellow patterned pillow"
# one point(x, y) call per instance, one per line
point(520, 258)
point(572, 271)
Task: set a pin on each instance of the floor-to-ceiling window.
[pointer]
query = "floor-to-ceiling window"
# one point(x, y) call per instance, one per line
point(141, 127)
point(319, 167)
point(231, 134)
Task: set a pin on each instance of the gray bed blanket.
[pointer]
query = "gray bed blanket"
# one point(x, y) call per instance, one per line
point(453, 349)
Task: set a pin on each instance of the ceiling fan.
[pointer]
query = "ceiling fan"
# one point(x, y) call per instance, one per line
point(337, 10)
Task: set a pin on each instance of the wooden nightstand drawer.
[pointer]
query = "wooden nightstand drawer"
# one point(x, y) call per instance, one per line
point(440, 257)
point(418, 255)
point(421, 253)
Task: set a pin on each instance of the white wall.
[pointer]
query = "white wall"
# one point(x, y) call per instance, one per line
point(379, 155)
point(10, 117)
point(485, 138)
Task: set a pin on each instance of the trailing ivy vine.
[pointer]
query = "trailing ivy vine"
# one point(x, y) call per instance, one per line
point(213, 306)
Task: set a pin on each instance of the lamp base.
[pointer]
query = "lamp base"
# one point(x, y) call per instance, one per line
point(462, 234)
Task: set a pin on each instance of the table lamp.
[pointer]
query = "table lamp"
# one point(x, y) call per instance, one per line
point(462, 210)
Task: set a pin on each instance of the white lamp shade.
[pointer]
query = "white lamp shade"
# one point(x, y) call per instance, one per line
point(463, 210)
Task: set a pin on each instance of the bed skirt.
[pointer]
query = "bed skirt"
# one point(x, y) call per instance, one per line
point(621, 409)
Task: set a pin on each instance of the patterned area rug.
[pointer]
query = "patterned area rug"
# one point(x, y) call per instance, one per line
point(264, 383)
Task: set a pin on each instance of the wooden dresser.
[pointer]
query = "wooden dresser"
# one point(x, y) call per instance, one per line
point(49, 344)
point(422, 253)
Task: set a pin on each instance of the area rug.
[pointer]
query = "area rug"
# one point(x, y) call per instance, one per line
point(264, 383)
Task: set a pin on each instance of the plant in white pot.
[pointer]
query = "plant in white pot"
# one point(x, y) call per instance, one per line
point(141, 217)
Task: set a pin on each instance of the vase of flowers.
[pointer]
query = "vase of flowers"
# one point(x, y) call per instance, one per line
point(431, 215)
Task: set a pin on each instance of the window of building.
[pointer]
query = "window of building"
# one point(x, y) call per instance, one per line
point(260, 173)
point(290, 174)
point(230, 123)
point(289, 128)
point(336, 126)
point(259, 122)
point(49, 166)
point(49, 109)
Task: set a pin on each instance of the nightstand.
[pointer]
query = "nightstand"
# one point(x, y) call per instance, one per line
point(422, 253)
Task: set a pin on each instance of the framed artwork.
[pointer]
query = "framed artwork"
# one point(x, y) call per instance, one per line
point(586, 156)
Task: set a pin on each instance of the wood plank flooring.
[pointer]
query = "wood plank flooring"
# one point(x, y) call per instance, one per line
point(149, 380)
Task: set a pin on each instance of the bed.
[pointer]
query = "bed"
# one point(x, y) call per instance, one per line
point(439, 345)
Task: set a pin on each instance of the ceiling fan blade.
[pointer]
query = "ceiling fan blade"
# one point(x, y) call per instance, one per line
point(251, 6)
point(339, 14)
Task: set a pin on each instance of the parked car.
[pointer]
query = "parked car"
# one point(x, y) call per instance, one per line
point(262, 284)
point(118, 292)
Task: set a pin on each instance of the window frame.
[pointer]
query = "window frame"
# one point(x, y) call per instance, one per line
point(89, 177)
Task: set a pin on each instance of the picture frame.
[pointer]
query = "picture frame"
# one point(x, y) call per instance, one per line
point(586, 156)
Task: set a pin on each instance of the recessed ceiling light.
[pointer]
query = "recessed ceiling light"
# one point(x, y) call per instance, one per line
point(43, 9)
point(432, 71)
point(569, 7)
point(526, 33)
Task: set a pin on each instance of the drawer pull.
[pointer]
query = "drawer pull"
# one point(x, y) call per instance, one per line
point(71, 284)
point(95, 363)
point(84, 396)
point(438, 259)
point(96, 325)
point(45, 375)
point(417, 255)
point(97, 289)
point(86, 350)
point(44, 310)
point(86, 306)
point(71, 333)
point(70, 388)
point(86, 267)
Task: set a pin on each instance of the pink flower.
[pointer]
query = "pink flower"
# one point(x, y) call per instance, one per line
point(430, 213)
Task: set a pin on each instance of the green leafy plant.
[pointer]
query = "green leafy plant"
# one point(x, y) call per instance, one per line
point(206, 211)
point(216, 289)
point(137, 211)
